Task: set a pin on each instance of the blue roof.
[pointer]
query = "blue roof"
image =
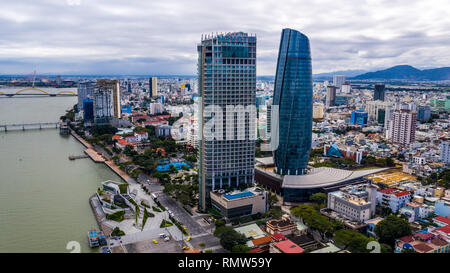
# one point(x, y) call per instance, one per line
point(238, 195)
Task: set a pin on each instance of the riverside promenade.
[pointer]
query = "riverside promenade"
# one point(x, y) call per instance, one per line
point(97, 157)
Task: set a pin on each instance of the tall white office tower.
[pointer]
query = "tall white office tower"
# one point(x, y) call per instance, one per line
point(338, 81)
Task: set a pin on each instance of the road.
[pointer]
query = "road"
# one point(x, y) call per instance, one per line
point(193, 227)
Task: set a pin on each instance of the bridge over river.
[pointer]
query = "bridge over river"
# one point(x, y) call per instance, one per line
point(29, 126)
point(37, 92)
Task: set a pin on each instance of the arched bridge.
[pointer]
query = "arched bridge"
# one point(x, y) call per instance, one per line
point(39, 92)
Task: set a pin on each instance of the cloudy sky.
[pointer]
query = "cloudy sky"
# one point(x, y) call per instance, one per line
point(159, 37)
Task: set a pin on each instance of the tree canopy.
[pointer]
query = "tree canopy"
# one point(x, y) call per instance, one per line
point(353, 241)
point(391, 228)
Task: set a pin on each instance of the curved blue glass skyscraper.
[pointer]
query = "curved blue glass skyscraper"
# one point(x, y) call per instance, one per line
point(293, 95)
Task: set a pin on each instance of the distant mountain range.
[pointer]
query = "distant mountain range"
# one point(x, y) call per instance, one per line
point(346, 73)
point(406, 72)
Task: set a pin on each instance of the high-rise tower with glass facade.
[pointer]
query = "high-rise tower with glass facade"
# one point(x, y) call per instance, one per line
point(293, 95)
point(378, 93)
point(227, 89)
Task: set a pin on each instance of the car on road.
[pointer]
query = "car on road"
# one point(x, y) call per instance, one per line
point(185, 247)
point(154, 241)
point(167, 239)
point(162, 235)
point(188, 238)
point(105, 249)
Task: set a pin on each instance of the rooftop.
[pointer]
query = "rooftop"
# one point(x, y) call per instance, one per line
point(325, 176)
point(287, 246)
point(252, 231)
point(443, 219)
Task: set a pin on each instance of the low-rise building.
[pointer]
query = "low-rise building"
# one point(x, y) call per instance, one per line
point(423, 243)
point(392, 198)
point(141, 136)
point(286, 246)
point(239, 203)
point(282, 226)
point(354, 202)
point(441, 221)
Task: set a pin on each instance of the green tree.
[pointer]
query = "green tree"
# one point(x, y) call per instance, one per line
point(230, 238)
point(313, 219)
point(353, 241)
point(391, 228)
point(239, 248)
point(320, 198)
point(219, 223)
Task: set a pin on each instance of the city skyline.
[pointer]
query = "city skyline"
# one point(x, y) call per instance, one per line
point(89, 37)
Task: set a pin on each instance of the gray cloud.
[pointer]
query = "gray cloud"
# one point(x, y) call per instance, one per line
point(160, 37)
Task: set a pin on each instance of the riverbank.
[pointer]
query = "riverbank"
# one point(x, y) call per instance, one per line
point(95, 155)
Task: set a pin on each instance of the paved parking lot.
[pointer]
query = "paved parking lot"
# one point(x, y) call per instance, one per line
point(150, 247)
point(209, 240)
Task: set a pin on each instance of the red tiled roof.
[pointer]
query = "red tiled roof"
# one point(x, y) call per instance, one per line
point(422, 247)
point(255, 250)
point(116, 137)
point(141, 133)
point(445, 229)
point(287, 246)
point(443, 219)
point(407, 239)
point(402, 193)
point(438, 242)
point(387, 190)
point(424, 236)
point(278, 237)
point(262, 240)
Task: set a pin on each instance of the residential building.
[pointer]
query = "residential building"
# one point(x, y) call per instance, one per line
point(346, 88)
point(338, 80)
point(106, 101)
point(85, 91)
point(318, 111)
point(441, 221)
point(377, 110)
point(422, 243)
point(141, 136)
point(227, 82)
point(392, 198)
point(293, 96)
point(402, 127)
point(153, 87)
point(331, 96)
point(445, 152)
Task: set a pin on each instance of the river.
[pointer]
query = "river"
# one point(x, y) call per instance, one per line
point(43, 195)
